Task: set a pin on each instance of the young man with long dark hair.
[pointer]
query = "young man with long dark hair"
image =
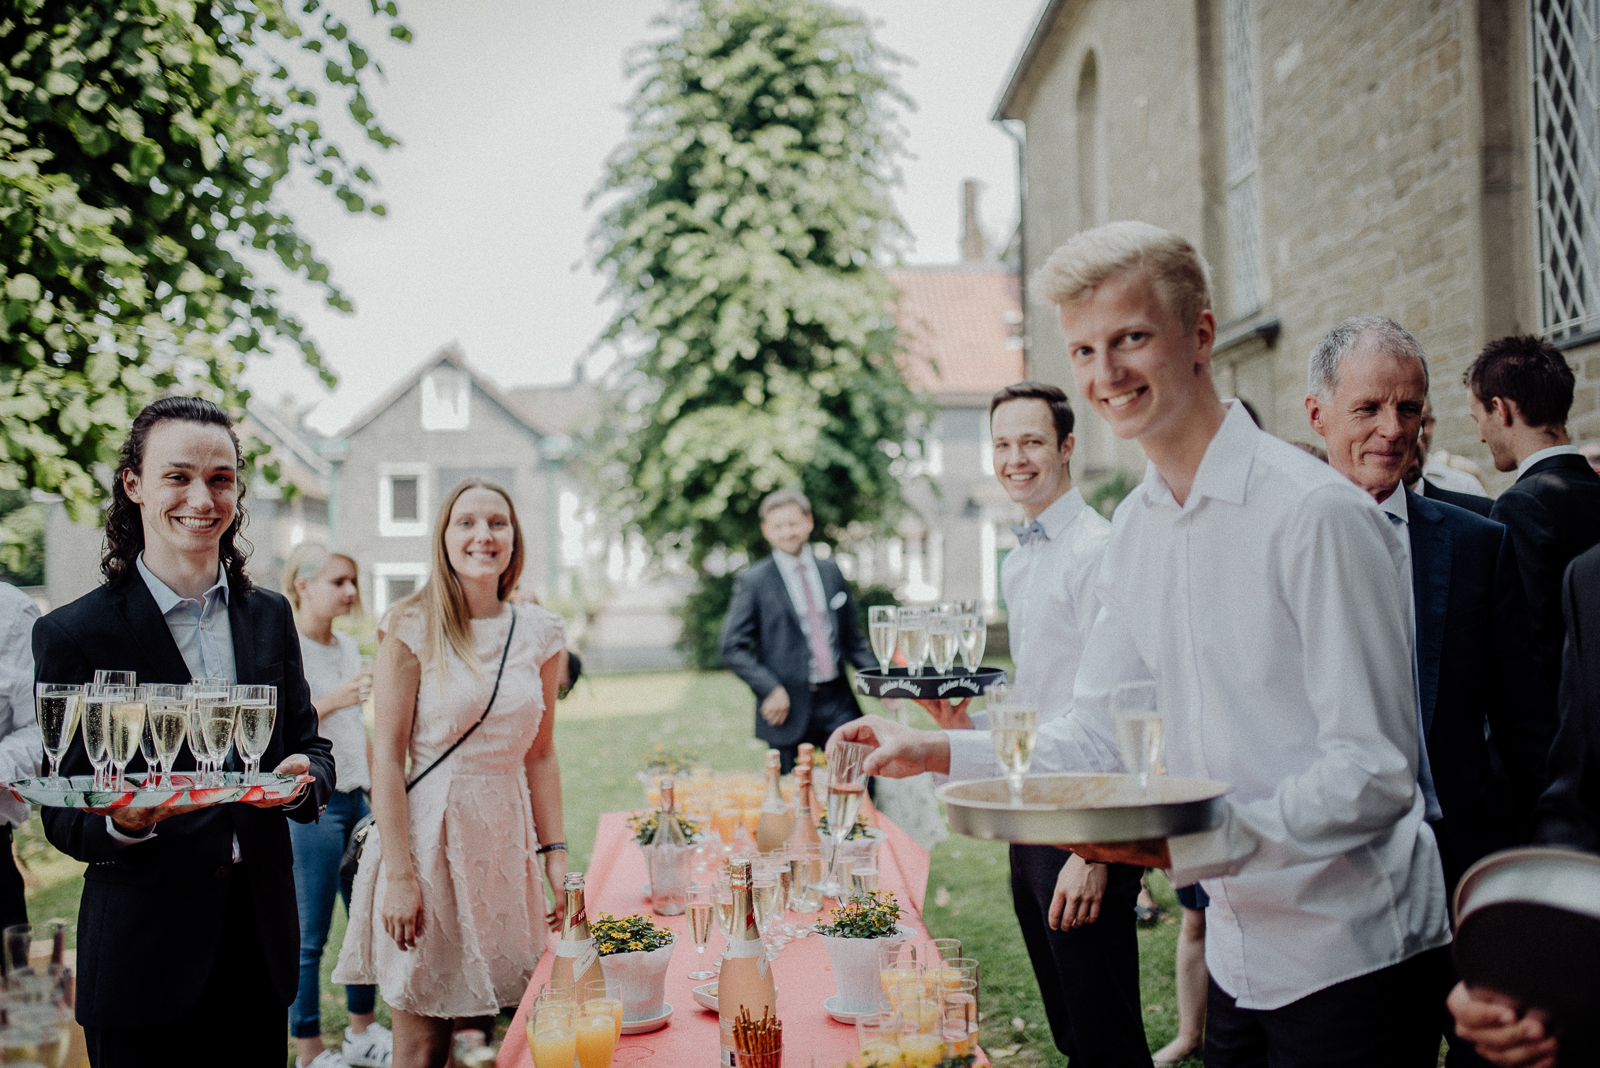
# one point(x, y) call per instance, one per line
point(187, 930)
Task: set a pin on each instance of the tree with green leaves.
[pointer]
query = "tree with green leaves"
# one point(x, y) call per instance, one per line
point(745, 249)
point(140, 144)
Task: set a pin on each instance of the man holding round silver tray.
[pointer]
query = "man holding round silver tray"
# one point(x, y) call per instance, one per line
point(188, 924)
point(1261, 593)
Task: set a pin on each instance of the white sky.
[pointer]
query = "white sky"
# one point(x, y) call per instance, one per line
point(506, 110)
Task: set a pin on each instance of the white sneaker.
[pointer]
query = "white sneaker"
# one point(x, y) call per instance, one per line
point(372, 1048)
point(328, 1058)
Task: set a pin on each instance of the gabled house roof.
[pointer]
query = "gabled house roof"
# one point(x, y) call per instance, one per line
point(1022, 66)
point(961, 326)
point(451, 355)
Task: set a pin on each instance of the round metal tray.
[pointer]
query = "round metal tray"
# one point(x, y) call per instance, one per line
point(957, 686)
point(1528, 925)
point(1063, 809)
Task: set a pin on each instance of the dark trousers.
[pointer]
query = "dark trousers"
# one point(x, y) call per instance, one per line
point(1385, 1019)
point(13, 896)
point(239, 1020)
point(1088, 977)
point(832, 706)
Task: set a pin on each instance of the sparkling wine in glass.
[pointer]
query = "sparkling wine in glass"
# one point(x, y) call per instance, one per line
point(943, 637)
point(60, 706)
point(1014, 728)
point(166, 722)
point(147, 750)
point(913, 638)
point(96, 727)
point(124, 724)
point(700, 928)
point(207, 694)
point(846, 787)
point(116, 678)
point(974, 637)
point(1138, 726)
point(219, 714)
point(258, 711)
point(884, 627)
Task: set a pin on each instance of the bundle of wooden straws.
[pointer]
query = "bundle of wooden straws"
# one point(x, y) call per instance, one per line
point(758, 1043)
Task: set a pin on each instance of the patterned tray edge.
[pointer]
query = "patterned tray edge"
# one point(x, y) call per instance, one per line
point(78, 794)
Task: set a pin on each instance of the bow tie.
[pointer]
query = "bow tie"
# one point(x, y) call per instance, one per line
point(1028, 532)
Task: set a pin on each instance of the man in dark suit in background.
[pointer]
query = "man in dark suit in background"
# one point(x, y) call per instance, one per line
point(187, 932)
point(790, 630)
point(1486, 719)
point(1521, 392)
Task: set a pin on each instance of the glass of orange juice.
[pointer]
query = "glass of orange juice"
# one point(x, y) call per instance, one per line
point(552, 1036)
point(596, 1002)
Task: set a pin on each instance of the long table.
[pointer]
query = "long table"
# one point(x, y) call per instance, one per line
point(614, 880)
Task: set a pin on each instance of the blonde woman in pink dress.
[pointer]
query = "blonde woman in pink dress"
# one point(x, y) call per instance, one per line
point(449, 914)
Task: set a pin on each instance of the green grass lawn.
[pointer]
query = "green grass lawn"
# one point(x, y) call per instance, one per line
point(601, 731)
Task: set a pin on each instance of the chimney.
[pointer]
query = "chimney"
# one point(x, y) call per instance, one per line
point(974, 249)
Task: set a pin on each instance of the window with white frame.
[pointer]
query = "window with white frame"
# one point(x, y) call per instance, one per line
point(1565, 47)
point(403, 494)
point(394, 582)
point(1244, 193)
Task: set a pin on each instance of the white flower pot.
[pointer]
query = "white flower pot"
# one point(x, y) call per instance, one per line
point(639, 980)
point(855, 970)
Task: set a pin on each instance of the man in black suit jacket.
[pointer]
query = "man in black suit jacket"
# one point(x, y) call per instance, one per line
point(187, 931)
point(1521, 392)
point(789, 632)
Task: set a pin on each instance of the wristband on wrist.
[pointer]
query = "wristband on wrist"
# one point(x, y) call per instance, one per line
point(551, 848)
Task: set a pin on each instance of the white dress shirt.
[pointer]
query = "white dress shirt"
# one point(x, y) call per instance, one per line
point(20, 745)
point(794, 570)
point(1051, 601)
point(1270, 612)
point(1545, 454)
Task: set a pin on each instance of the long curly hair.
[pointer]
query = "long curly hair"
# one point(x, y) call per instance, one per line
point(124, 525)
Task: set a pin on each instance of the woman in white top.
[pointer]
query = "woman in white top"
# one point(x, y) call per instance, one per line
point(322, 587)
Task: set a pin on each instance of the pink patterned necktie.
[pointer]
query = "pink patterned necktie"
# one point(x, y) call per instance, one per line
point(816, 633)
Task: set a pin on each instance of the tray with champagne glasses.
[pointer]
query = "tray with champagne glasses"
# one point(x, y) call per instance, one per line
point(80, 791)
point(928, 684)
point(1062, 809)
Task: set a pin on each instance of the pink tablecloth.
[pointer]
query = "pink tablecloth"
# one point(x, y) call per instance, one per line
point(615, 875)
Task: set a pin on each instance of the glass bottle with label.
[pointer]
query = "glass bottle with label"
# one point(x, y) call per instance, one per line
point(669, 858)
point(577, 961)
point(772, 829)
point(746, 980)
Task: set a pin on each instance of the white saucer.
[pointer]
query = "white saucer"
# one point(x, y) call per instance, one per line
point(705, 995)
point(832, 1005)
point(655, 1023)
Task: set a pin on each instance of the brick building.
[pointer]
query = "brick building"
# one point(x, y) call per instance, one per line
point(1430, 160)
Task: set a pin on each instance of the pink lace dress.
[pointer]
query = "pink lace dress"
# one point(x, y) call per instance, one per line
point(472, 836)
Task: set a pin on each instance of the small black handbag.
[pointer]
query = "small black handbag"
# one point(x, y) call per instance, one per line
point(350, 862)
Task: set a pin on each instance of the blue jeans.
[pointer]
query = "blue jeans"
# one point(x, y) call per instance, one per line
point(317, 849)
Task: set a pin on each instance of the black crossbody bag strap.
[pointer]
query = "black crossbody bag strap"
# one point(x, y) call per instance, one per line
point(492, 695)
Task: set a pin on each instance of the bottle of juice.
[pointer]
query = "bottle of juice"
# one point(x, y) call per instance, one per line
point(746, 979)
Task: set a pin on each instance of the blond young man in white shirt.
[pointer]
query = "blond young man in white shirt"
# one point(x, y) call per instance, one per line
point(1262, 593)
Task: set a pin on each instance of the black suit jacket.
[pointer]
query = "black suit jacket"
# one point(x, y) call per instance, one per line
point(1470, 501)
point(764, 643)
point(1476, 670)
point(1569, 812)
point(1553, 513)
point(149, 925)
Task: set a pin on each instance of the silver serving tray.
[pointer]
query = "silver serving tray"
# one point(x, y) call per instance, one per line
point(1063, 809)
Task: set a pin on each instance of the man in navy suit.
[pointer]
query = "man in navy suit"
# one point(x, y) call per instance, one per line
point(1486, 719)
point(1521, 393)
point(789, 632)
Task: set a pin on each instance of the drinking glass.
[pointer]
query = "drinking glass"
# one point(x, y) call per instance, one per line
point(116, 678)
point(846, 787)
point(206, 694)
point(878, 1041)
point(1139, 729)
point(599, 1001)
point(835, 1057)
point(147, 752)
point(767, 907)
point(897, 964)
point(60, 706)
point(96, 723)
point(1014, 727)
point(124, 723)
point(943, 637)
point(552, 1034)
point(945, 948)
point(166, 722)
point(863, 879)
point(805, 873)
point(884, 627)
point(974, 639)
point(258, 711)
point(700, 928)
point(219, 713)
point(913, 638)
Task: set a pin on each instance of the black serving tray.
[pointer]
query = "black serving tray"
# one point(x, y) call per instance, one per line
point(927, 686)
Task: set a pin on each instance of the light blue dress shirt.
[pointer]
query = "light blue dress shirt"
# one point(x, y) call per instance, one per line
point(199, 626)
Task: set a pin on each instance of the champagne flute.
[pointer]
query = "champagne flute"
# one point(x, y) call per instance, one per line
point(166, 722)
point(943, 636)
point(883, 625)
point(258, 712)
point(206, 693)
point(846, 787)
point(96, 712)
point(147, 750)
point(124, 724)
point(219, 712)
point(1138, 728)
point(700, 928)
point(974, 637)
point(60, 706)
point(116, 678)
point(913, 638)
point(1014, 727)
